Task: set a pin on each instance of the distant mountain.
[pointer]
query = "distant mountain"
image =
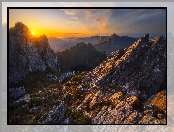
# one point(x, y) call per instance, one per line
point(113, 43)
point(65, 43)
point(59, 44)
point(82, 57)
point(28, 53)
point(106, 44)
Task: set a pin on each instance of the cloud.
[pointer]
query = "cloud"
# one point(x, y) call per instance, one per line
point(134, 26)
point(74, 23)
point(140, 20)
point(117, 20)
point(76, 18)
point(96, 18)
point(70, 12)
point(145, 14)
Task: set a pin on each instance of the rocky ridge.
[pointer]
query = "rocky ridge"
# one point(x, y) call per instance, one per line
point(134, 76)
point(139, 67)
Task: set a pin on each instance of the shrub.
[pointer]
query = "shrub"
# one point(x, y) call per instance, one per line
point(35, 101)
point(77, 117)
point(76, 103)
point(77, 78)
point(25, 109)
point(96, 111)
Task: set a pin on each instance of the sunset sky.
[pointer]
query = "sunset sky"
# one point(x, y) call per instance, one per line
point(88, 22)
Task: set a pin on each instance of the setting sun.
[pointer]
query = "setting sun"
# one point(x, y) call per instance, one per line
point(32, 32)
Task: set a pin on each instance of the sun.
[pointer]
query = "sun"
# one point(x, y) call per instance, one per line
point(32, 32)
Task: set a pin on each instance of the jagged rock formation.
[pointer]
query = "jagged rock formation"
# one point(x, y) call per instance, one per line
point(130, 79)
point(141, 68)
point(113, 43)
point(82, 57)
point(28, 53)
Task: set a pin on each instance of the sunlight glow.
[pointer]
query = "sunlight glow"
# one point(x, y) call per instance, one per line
point(32, 32)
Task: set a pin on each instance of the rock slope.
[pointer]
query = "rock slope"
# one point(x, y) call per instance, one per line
point(139, 69)
point(129, 80)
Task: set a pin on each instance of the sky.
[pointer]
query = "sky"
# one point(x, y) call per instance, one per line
point(88, 22)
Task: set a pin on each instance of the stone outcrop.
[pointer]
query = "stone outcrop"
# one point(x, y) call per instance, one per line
point(28, 53)
point(55, 116)
point(21, 101)
point(124, 113)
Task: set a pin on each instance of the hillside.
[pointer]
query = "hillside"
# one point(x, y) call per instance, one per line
point(82, 57)
point(129, 80)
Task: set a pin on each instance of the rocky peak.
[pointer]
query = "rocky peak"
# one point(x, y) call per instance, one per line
point(28, 53)
point(114, 36)
point(146, 37)
point(21, 30)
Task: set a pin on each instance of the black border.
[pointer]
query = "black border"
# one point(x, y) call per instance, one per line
point(8, 8)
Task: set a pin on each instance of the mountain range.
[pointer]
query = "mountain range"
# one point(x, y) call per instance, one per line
point(105, 44)
point(113, 43)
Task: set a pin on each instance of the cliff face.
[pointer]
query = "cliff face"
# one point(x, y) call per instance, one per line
point(28, 53)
